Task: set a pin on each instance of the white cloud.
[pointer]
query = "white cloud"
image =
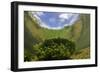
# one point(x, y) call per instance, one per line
point(39, 13)
point(62, 20)
point(75, 18)
point(66, 25)
point(64, 16)
point(48, 27)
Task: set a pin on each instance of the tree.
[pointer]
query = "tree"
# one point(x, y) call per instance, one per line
point(55, 49)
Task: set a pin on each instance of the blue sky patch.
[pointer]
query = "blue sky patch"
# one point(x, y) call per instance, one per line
point(55, 20)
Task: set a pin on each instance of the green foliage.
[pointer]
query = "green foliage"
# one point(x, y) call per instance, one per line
point(27, 56)
point(30, 56)
point(84, 40)
point(82, 54)
point(53, 49)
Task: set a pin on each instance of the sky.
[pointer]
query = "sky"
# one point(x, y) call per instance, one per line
point(55, 20)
